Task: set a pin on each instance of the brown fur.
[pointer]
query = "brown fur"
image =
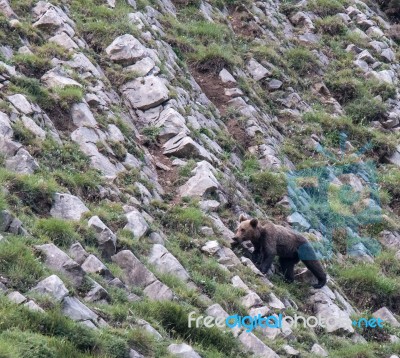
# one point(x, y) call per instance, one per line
point(272, 240)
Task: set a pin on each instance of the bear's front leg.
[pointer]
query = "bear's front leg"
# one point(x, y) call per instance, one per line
point(257, 256)
point(267, 262)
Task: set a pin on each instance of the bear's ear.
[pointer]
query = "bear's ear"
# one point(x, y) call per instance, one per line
point(254, 223)
point(242, 218)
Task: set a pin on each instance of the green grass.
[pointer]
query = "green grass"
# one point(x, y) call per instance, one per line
point(326, 7)
point(99, 24)
point(267, 187)
point(302, 60)
point(69, 167)
point(35, 191)
point(67, 96)
point(60, 232)
point(331, 25)
point(32, 88)
point(184, 219)
point(173, 316)
point(19, 264)
point(368, 287)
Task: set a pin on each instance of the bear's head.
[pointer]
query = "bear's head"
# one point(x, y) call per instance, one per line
point(247, 230)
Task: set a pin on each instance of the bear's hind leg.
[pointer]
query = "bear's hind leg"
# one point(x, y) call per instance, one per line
point(316, 268)
point(287, 267)
point(309, 258)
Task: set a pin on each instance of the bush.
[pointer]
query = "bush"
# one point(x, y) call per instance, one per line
point(70, 167)
point(366, 109)
point(389, 179)
point(332, 25)
point(184, 219)
point(268, 187)
point(326, 7)
point(302, 60)
point(23, 134)
point(60, 232)
point(369, 288)
point(32, 88)
point(35, 191)
point(31, 64)
point(99, 24)
point(67, 96)
point(18, 264)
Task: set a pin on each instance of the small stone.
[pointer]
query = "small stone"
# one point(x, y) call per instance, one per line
point(226, 77)
point(16, 297)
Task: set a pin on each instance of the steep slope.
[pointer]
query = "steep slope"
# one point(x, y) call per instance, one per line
point(134, 133)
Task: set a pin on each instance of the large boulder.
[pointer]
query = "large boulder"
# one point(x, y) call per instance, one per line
point(134, 272)
point(257, 71)
point(82, 116)
point(5, 126)
point(52, 286)
point(334, 318)
point(165, 262)
point(254, 345)
point(58, 260)
point(22, 162)
point(20, 102)
point(106, 239)
point(387, 316)
point(183, 146)
point(57, 79)
point(136, 224)
point(146, 92)
point(202, 182)
point(77, 311)
point(182, 350)
point(171, 123)
point(125, 49)
point(67, 207)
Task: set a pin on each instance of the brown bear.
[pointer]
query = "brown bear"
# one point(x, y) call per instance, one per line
point(270, 240)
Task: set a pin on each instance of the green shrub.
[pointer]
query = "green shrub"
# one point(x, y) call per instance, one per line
point(184, 219)
point(151, 133)
point(32, 88)
point(99, 24)
point(268, 187)
point(31, 64)
point(19, 264)
point(67, 96)
point(332, 25)
point(119, 150)
point(52, 323)
point(302, 60)
point(326, 7)
point(70, 167)
point(391, 8)
point(35, 191)
point(23, 134)
point(366, 109)
point(60, 232)
point(369, 288)
point(389, 179)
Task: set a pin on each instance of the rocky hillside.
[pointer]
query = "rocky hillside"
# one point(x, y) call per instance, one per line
point(134, 133)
